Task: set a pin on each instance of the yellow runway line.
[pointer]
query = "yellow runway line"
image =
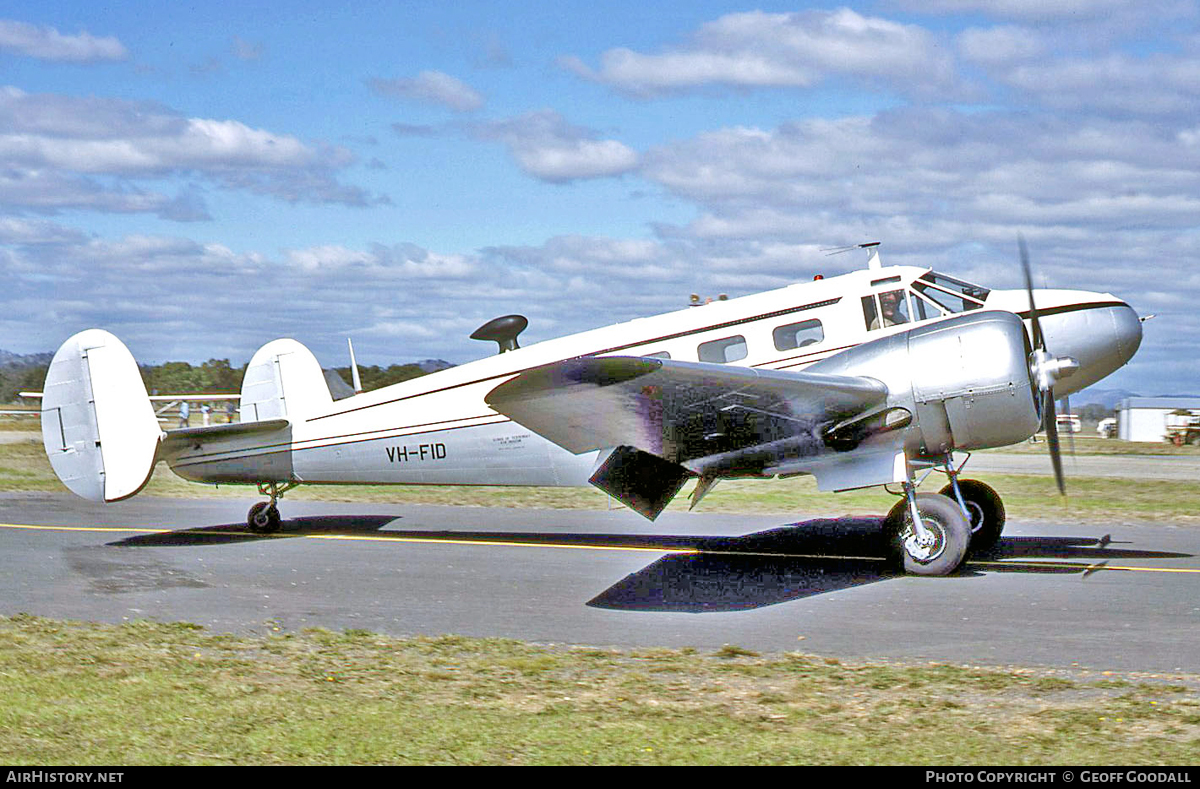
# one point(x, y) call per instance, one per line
point(1093, 567)
point(84, 528)
point(508, 543)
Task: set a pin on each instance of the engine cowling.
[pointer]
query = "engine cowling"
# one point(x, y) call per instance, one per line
point(971, 385)
point(966, 381)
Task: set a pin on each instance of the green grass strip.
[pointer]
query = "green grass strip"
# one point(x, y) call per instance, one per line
point(149, 693)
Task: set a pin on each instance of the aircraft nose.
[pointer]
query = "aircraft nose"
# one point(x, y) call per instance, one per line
point(1127, 331)
point(1101, 338)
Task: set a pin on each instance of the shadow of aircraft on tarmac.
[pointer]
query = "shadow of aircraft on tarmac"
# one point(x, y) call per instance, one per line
point(224, 534)
point(702, 574)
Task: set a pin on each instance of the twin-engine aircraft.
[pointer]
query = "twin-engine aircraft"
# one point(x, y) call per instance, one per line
point(872, 378)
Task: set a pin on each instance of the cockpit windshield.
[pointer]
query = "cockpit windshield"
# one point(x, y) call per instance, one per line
point(950, 294)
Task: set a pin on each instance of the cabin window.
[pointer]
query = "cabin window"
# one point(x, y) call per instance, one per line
point(885, 309)
point(657, 355)
point(797, 335)
point(729, 349)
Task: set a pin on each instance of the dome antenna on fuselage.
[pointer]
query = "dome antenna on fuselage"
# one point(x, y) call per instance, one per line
point(503, 331)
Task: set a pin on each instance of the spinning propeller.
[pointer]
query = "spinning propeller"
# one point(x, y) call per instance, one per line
point(1046, 370)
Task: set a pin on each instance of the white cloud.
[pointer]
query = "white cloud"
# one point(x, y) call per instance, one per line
point(36, 231)
point(430, 87)
point(55, 149)
point(547, 147)
point(328, 256)
point(927, 162)
point(179, 298)
point(1000, 45)
point(46, 43)
point(1042, 11)
point(1152, 85)
point(757, 49)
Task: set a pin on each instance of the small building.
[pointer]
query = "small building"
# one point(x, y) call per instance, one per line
point(1145, 418)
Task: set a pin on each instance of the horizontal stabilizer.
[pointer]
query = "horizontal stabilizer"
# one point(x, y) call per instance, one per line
point(98, 427)
point(211, 432)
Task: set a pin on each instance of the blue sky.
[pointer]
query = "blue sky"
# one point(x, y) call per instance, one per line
point(202, 179)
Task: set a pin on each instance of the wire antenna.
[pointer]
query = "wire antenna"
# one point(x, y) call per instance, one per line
point(830, 251)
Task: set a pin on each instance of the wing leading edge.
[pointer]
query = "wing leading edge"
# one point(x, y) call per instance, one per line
point(670, 420)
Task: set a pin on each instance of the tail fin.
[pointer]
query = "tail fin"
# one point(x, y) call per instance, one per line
point(98, 426)
point(283, 381)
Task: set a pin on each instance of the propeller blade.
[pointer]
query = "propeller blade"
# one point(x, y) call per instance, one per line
point(1051, 419)
point(1048, 368)
point(1066, 407)
point(1038, 340)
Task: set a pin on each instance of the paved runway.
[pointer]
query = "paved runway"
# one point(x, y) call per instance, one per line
point(608, 578)
point(1168, 467)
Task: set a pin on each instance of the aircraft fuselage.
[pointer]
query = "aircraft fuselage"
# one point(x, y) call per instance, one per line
point(438, 430)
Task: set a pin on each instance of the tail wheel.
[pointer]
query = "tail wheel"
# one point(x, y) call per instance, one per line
point(263, 518)
point(940, 547)
point(986, 510)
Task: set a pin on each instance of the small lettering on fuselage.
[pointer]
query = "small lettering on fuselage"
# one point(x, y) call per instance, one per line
point(418, 453)
point(503, 443)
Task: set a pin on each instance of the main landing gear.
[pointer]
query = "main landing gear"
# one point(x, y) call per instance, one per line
point(932, 534)
point(263, 517)
point(985, 509)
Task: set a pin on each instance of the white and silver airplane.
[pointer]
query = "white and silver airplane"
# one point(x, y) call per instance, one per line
point(871, 378)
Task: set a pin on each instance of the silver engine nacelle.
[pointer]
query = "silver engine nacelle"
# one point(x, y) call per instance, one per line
point(966, 381)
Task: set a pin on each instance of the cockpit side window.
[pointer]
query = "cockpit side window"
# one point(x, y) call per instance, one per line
point(885, 309)
point(949, 293)
point(951, 302)
point(870, 311)
point(923, 309)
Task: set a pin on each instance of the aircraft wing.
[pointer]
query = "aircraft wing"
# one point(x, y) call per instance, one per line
point(679, 411)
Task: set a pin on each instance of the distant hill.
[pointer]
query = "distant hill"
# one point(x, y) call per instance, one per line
point(1109, 398)
point(10, 359)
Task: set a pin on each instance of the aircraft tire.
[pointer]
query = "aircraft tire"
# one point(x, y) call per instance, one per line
point(987, 513)
point(263, 518)
point(950, 530)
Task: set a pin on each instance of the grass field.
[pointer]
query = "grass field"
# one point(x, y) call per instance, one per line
point(147, 693)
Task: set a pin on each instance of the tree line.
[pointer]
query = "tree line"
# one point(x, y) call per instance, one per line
point(216, 376)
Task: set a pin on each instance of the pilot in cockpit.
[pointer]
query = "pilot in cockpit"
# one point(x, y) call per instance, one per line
point(892, 309)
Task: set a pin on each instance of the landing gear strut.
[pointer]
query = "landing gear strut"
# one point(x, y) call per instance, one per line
point(264, 516)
